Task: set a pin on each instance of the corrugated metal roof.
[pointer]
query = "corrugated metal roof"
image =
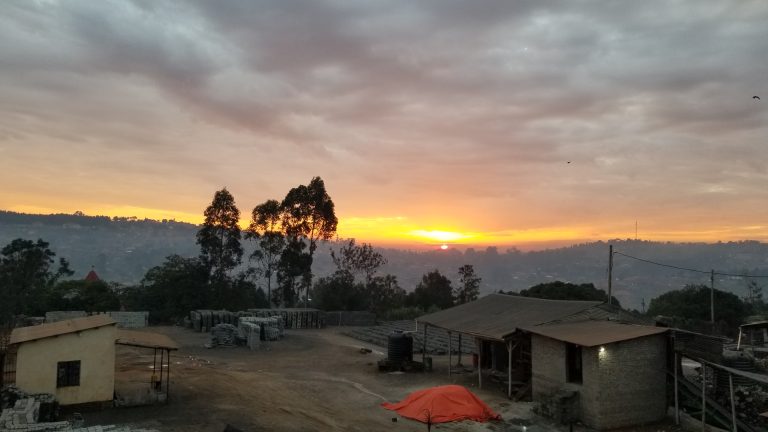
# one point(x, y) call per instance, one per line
point(145, 339)
point(497, 316)
point(594, 333)
point(756, 324)
point(26, 334)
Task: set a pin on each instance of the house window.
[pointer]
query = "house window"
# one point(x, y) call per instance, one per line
point(68, 374)
point(573, 363)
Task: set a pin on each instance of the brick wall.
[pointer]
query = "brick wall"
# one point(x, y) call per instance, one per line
point(547, 366)
point(623, 386)
point(631, 389)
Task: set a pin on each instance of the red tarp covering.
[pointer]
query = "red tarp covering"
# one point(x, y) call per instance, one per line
point(443, 404)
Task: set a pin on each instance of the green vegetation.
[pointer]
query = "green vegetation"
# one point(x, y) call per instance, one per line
point(690, 306)
point(469, 287)
point(567, 291)
point(27, 276)
point(433, 290)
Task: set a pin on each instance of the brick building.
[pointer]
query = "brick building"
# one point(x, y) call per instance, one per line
point(580, 360)
point(606, 374)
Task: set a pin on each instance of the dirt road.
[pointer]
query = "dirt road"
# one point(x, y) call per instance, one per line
point(313, 380)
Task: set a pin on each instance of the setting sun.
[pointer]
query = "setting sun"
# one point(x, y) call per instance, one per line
point(440, 236)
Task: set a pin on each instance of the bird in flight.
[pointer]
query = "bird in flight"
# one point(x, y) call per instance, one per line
point(756, 97)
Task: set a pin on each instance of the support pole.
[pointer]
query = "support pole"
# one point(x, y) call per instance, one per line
point(154, 370)
point(509, 369)
point(677, 400)
point(479, 363)
point(610, 273)
point(733, 403)
point(168, 379)
point(712, 298)
point(738, 344)
point(449, 354)
point(424, 346)
point(458, 362)
point(703, 397)
point(161, 369)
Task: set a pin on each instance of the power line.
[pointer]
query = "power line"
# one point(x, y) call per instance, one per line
point(689, 269)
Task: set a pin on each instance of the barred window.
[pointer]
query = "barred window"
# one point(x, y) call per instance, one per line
point(68, 374)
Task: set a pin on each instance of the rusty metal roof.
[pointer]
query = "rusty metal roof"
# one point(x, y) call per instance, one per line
point(594, 333)
point(26, 334)
point(145, 339)
point(497, 316)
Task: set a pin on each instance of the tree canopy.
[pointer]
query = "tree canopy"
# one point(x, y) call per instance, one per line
point(469, 285)
point(559, 290)
point(219, 237)
point(26, 275)
point(433, 290)
point(693, 303)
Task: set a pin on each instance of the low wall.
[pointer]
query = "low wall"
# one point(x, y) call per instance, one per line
point(54, 316)
point(123, 319)
point(203, 320)
point(350, 318)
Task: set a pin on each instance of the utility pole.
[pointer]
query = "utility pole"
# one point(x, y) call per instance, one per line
point(610, 272)
point(642, 304)
point(712, 297)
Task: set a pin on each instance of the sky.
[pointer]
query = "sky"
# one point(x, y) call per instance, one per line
point(499, 122)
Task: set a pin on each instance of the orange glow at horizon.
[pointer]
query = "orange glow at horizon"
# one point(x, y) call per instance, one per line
point(401, 231)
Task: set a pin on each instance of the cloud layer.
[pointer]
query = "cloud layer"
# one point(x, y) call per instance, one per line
point(490, 117)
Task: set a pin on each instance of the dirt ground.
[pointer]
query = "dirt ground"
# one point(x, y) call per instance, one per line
point(312, 380)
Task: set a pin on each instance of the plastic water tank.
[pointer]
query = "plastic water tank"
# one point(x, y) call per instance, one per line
point(399, 347)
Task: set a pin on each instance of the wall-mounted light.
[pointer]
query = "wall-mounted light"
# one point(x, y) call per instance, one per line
point(602, 350)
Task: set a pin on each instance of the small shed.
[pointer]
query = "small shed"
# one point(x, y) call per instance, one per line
point(495, 323)
point(605, 373)
point(73, 359)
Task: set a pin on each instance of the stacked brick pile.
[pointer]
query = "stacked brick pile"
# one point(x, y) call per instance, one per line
point(252, 334)
point(24, 416)
point(224, 334)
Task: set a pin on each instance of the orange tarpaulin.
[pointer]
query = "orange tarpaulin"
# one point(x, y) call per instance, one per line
point(443, 404)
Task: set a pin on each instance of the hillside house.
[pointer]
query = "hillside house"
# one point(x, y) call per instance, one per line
point(73, 359)
point(578, 361)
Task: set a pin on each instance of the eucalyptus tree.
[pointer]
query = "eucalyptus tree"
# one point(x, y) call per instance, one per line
point(219, 237)
point(308, 214)
point(266, 229)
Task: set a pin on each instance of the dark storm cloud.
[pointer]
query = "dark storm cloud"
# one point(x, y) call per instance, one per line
point(649, 100)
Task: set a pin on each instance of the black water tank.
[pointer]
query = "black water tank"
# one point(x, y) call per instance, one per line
point(736, 360)
point(399, 347)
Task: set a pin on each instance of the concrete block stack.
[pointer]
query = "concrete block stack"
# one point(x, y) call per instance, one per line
point(130, 319)
point(24, 417)
point(224, 335)
point(54, 316)
point(295, 318)
point(252, 334)
point(271, 327)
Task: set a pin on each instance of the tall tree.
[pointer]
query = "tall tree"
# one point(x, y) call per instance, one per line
point(358, 259)
point(469, 287)
point(383, 294)
point(693, 303)
point(433, 290)
point(308, 212)
point(219, 237)
point(26, 275)
point(559, 290)
point(266, 229)
point(175, 287)
point(293, 265)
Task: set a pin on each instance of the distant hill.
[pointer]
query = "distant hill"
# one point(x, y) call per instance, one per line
point(123, 249)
